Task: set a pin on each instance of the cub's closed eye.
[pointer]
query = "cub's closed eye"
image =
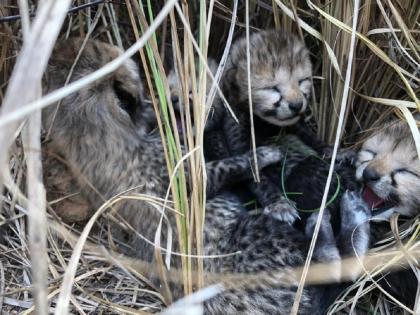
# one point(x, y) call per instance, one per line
point(405, 171)
point(304, 80)
point(373, 153)
point(270, 89)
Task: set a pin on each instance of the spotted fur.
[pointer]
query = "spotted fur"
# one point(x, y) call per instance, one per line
point(281, 75)
point(98, 131)
point(215, 146)
point(280, 86)
point(303, 173)
point(267, 245)
point(389, 165)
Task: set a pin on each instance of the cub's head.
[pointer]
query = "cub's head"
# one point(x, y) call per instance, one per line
point(390, 168)
point(280, 76)
point(111, 105)
point(178, 97)
point(174, 82)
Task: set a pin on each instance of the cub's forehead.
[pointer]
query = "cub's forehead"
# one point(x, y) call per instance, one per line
point(377, 140)
point(392, 134)
point(394, 141)
point(384, 142)
point(303, 69)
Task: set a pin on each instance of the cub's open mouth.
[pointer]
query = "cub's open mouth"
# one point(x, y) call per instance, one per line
point(375, 202)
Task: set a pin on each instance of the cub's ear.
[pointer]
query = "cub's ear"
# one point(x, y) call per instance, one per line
point(65, 51)
point(229, 76)
point(129, 102)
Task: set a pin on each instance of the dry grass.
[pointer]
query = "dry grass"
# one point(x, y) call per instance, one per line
point(42, 258)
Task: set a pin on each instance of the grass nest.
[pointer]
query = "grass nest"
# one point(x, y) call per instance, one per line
point(37, 247)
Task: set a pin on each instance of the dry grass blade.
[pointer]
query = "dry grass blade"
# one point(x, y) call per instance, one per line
point(23, 8)
point(38, 44)
point(251, 116)
point(376, 50)
point(12, 116)
point(47, 265)
point(67, 283)
point(2, 285)
point(37, 214)
point(218, 76)
point(415, 48)
point(373, 264)
point(295, 307)
point(192, 304)
point(27, 73)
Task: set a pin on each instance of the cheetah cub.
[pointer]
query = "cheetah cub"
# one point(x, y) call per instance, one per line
point(389, 167)
point(212, 112)
point(215, 146)
point(280, 88)
point(268, 246)
point(98, 132)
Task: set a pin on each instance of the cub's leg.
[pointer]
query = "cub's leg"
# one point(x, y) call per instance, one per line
point(222, 213)
point(268, 195)
point(231, 170)
point(326, 247)
point(355, 227)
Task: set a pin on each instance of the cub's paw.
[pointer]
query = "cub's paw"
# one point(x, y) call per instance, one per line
point(313, 218)
point(268, 155)
point(282, 210)
point(344, 156)
point(354, 210)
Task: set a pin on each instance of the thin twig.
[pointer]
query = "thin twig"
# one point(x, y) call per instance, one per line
point(346, 90)
point(251, 113)
point(37, 46)
point(37, 216)
point(10, 18)
point(63, 300)
point(28, 73)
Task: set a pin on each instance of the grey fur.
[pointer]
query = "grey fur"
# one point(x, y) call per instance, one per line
point(102, 140)
point(98, 131)
point(280, 78)
point(391, 154)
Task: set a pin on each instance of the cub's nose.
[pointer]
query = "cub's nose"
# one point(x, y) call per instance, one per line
point(370, 175)
point(296, 106)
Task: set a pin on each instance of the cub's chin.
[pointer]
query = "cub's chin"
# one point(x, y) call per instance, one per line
point(280, 122)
